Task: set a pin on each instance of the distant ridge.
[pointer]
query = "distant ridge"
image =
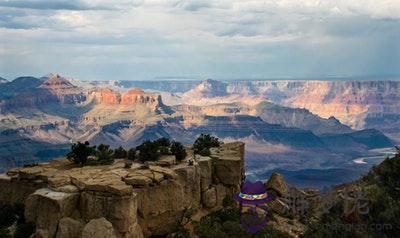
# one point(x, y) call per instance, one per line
point(3, 80)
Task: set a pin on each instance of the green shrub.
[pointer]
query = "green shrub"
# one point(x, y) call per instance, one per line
point(131, 154)
point(382, 189)
point(148, 151)
point(226, 223)
point(104, 154)
point(151, 150)
point(163, 142)
point(178, 150)
point(80, 152)
point(228, 201)
point(120, 153)
point(203, 144)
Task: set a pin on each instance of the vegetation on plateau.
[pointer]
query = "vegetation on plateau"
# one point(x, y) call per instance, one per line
point(225, 223)
point(84, 154)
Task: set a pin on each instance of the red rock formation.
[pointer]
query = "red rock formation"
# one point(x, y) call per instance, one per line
point(138, 96)
point(107, 96)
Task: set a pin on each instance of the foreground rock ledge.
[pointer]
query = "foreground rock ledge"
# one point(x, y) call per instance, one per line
point(64, 200)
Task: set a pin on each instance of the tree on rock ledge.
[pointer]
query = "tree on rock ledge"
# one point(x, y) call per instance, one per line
point(104, 154)
point(80, 152)
point(120, 153)
point(203, 144)
point(178, 150)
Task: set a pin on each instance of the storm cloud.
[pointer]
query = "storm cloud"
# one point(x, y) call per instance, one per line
point(225, 39)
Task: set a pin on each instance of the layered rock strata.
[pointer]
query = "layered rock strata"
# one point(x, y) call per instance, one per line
point(64, 200)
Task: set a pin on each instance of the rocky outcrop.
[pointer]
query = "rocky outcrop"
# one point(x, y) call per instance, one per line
point(277, 183)
point(107, 96)
point(113, 201)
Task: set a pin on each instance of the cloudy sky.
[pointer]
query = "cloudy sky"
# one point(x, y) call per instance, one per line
point(222, 39)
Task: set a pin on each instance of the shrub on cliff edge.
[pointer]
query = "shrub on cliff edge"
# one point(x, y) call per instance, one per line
point(120, 153)
point(178, 150)
point(80, 152)
point(104, 154)
point(203, 144)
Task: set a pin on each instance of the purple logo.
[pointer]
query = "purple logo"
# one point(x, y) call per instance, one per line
point(252, 199)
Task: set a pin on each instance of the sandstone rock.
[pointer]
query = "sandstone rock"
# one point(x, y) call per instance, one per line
point(279, 206)
point(168, 173)
point(119, 209)
point(135, 201)
point(137, 180)
point(69, 228)
point(99, 228)
point(221, 193)
point(228, 164)
point(277, 183)
point(58, 180)
point(46, 207)
point(30, 173)
point(41, 234)
point(16, 191)
point(205, 164)
point(166, 160)
point(210, 198)
point(67, 189)
point(161, 206)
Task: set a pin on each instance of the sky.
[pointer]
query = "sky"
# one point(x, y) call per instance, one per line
point(221, 39)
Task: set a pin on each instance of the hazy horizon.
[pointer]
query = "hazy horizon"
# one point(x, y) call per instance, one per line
point(186, 79)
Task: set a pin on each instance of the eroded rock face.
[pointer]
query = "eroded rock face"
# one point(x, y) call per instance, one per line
point(46, 207)
point(60, 197)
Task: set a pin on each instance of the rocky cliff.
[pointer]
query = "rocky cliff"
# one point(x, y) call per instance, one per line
point(64, 200)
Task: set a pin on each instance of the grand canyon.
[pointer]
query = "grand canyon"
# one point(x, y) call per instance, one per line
point(317, 133)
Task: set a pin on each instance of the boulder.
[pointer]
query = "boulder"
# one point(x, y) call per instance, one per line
point(277, 183)
point(99, 228)
point(46, 207)
point(69, 228)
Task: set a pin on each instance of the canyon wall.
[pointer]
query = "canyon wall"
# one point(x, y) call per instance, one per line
point(64, 200)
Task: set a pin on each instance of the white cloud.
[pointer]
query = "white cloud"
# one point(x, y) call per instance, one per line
point(222, 38)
